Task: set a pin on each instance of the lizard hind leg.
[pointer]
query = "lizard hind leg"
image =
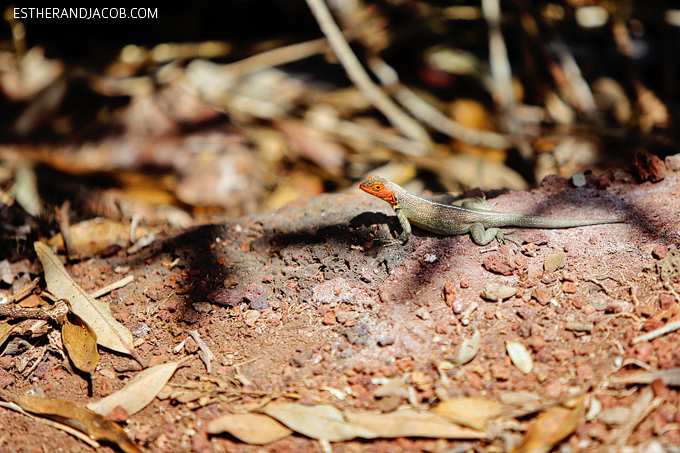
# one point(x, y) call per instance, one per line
point(479, 204)
point(480, 236)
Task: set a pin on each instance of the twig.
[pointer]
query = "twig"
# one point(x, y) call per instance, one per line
point(41, 355)
point(357, 74)
point(276, 57)
point(566, 73)
point(23, 292)
point(502, 75)
point(204, 352)
point(431, 116)
point(633, 289)
point(115, 285)
point(640, 409)
point(359, 132)
point(65, 228)
point(670, 327)
point(134, 223)
point(672, 290)
point(54, 312)
point(606, 290)
point(574, 78)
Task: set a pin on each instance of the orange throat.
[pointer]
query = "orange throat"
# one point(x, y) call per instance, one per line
point(384, 194)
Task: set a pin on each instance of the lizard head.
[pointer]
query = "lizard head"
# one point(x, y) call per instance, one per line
point(377, 186)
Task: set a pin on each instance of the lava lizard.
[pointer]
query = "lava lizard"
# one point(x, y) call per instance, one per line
point(474, 217)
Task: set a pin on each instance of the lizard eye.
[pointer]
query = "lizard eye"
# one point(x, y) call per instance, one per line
point(377, 187)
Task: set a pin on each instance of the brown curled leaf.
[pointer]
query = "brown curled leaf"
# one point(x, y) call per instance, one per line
point(76, 416)
point(80, 342)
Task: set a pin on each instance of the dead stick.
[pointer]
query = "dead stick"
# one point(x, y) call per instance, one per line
point(65, 226)
point(357, 74)
point(670, 327)
point(115, 285)
point(501, 73)
point(429, 115)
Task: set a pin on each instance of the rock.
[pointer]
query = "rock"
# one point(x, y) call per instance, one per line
point(256, 297)
point(503, 262)
point(648, 167)
point(555, 261)
point(495, 292)
point(226, 297)
point(140, 330)
point(386, 340)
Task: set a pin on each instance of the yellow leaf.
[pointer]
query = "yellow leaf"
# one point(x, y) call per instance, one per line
point(80, 342)
point(95, 235)
point(472, 412)
point(551, 428)
point(76, 416)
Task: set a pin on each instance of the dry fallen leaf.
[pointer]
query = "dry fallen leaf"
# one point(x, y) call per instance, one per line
point(94, 425)
point(6, 329)
point(522, 403)
point(95, 235)
point(409, 423)
point(551, 428)
point(474, 171)
point(615, 415)
point(392, 393)
point(254, 429)
point(110, 333)
point(318, 422)
point(468, 350)
point(472, 412)
point(393, 387)
point(139, 392)
point(520, 356)
point(80, 342)
point(668, 377)
point(6, 274)
point(314, 145)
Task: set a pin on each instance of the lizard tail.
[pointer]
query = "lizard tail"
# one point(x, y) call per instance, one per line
point(530, 221)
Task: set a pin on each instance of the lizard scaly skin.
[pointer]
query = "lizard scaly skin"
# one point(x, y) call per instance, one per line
point(475, 218)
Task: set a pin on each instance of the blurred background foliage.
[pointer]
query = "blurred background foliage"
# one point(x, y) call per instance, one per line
point(212, 110)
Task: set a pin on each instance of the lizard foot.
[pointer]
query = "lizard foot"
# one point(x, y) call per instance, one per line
point(390, 242)
point(502, 239)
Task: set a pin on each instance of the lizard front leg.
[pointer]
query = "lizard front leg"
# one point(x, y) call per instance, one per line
point(405, 229)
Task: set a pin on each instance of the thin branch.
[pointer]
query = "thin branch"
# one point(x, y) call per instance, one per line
point(276, 57)
point(407, 125)
point(61, 215)
point(670, 327)
point(572, 72)
point(115, 285)
point(565, 72)
point(501, 73)
point(431, 116)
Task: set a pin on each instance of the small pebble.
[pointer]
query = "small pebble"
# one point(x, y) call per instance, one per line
point(140, 330)
point(495, 292)
point(202, 307)
point(386, 340)
point(578, 179)
point(555, 261)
